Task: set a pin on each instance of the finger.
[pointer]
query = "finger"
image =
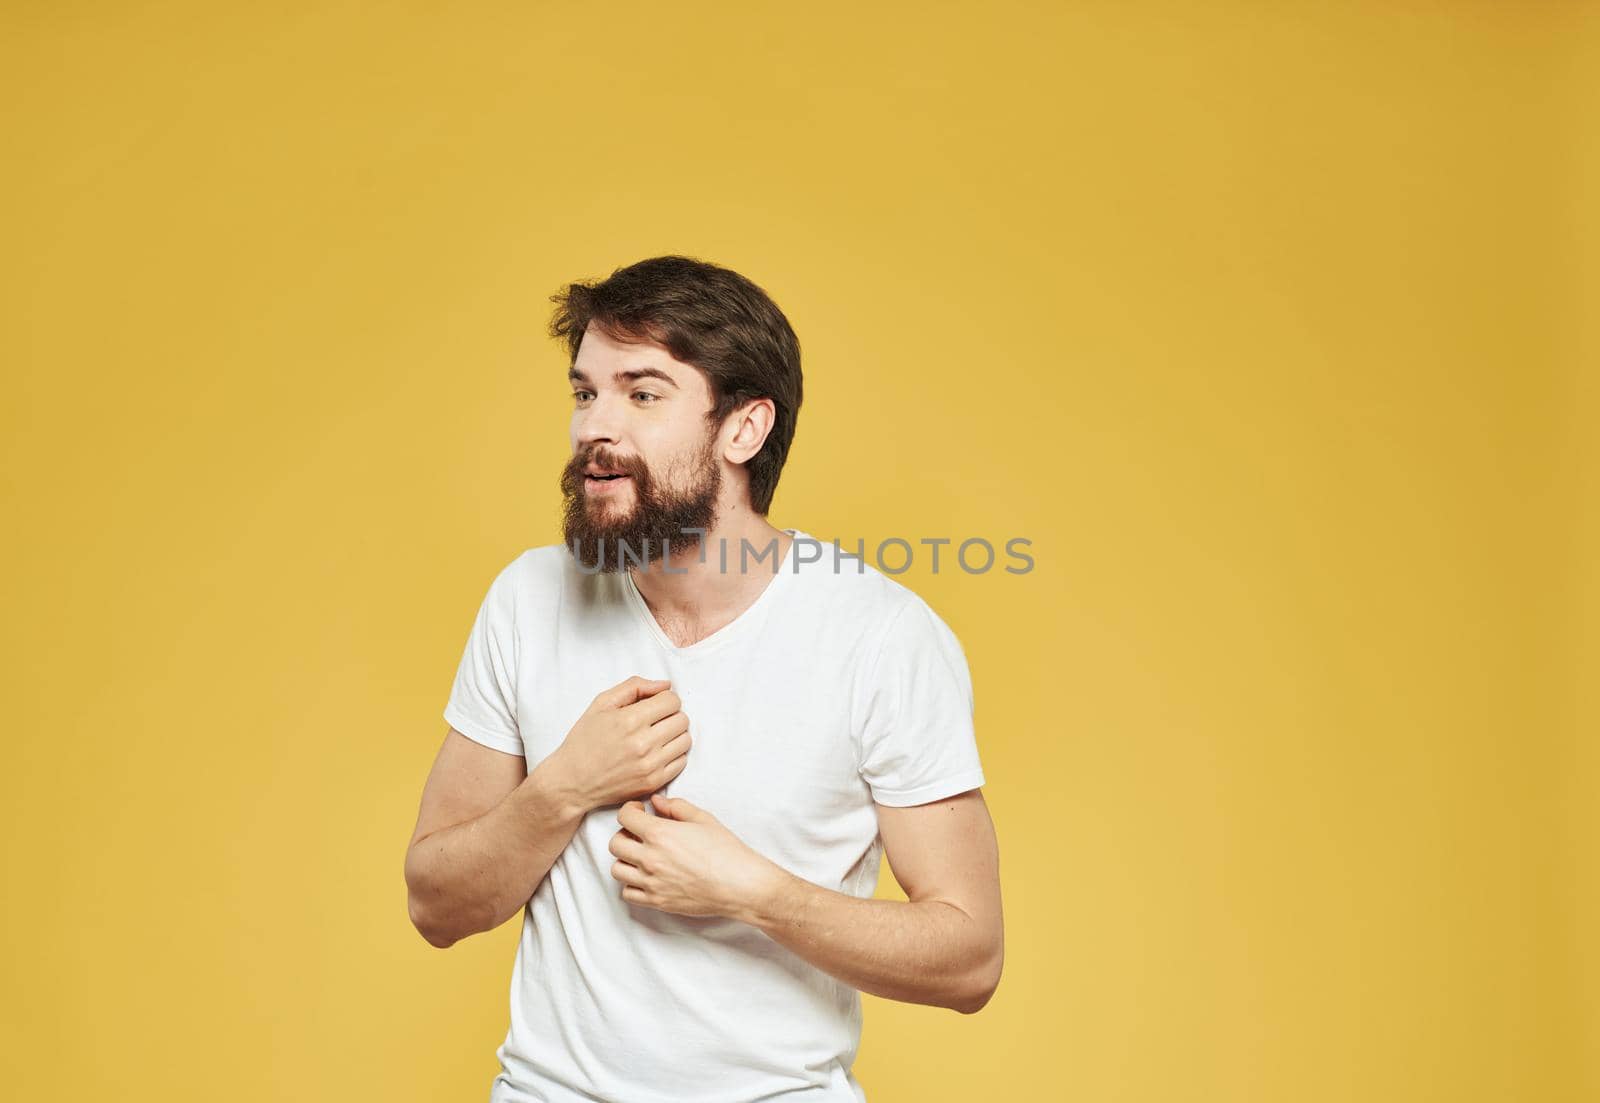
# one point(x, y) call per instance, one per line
point(629, 690)
point(633, 816)
point(628, 874)
point(680, 809)
point(668, 727)
point(628, 848)
point(673, 750)
point(658, 706)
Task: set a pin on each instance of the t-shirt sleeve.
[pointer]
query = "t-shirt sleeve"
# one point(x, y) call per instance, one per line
point(917, 742)
point(483, 700)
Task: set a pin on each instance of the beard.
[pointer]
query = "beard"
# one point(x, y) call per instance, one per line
point(605, 536)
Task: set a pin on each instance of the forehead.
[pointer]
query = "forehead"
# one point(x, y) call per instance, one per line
point(600, 358)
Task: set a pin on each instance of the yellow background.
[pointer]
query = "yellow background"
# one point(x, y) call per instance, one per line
point(1270, 324)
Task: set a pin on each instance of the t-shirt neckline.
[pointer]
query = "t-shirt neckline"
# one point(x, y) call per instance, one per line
point(734, 628)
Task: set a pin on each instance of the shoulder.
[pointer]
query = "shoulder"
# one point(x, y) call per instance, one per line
point(546, 565)
point(898, 652)
point(833, 573)
point(533, 578)
point(875, 607)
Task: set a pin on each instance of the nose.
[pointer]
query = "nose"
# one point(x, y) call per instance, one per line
point(597, 423)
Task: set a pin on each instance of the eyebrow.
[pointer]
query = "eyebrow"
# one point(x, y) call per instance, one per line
point(576, 376)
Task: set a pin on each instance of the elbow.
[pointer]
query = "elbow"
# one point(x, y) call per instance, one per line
point(439, 940)
point(981, 985)
point(427, 920)
point(974, 1003)
point(443, 923)
point(434, 934)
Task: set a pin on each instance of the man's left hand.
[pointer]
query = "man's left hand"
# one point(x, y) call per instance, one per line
point(684, 860)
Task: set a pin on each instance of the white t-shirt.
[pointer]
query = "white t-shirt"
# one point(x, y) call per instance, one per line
point(839, 687)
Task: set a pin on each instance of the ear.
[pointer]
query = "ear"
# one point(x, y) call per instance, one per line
point(750, 423)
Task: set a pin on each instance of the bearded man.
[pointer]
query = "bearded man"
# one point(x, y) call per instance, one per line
point(681, 742)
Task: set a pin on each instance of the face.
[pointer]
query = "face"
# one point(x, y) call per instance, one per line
point(645, 463)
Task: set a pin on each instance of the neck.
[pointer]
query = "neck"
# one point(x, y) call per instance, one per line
point(685, 588)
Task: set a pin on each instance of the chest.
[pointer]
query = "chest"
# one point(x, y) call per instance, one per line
point(772, 752)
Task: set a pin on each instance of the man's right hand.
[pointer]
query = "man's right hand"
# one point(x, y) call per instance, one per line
point(631, 740)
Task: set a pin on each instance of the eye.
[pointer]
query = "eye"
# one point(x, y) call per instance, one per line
point(579, 396)
point(647, 394)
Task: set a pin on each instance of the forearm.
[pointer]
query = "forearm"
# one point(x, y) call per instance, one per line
point(472, 876)
point(926, 951)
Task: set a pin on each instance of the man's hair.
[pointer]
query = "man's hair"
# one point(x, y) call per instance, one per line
point(708, 316)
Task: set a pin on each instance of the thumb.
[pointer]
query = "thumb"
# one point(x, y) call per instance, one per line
point(677, 808)
point(629, 690)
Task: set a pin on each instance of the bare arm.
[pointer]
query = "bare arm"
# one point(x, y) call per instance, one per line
point(944, 945)
point(489, 831)
point(487, 834)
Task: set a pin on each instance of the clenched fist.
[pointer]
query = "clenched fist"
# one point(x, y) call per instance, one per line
point(631, 740)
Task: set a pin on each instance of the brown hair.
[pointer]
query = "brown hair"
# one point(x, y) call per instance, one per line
point(708, 316)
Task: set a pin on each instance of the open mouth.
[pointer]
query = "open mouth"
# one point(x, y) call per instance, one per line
point(598, 479)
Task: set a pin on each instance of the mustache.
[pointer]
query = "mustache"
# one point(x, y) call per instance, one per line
point(572, 474)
